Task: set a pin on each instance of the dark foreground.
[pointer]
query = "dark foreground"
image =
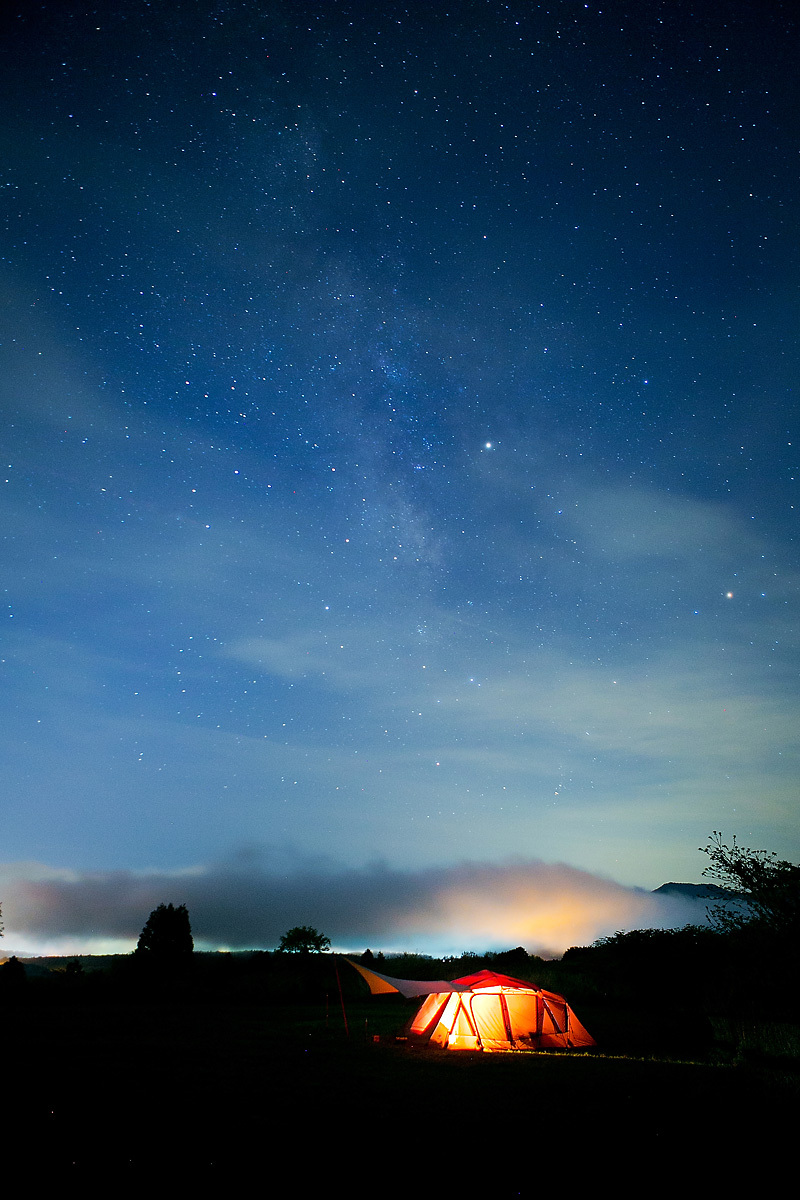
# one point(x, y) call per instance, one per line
point(154, 1089)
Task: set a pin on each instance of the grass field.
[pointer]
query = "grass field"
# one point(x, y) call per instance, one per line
point(207, 1091)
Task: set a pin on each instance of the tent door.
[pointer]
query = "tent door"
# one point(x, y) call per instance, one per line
point(463, 1032)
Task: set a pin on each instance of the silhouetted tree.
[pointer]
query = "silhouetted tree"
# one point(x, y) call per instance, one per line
point(167, 937)
point(12, 975)
point(767, 889)
point(510, 959)
point(303, 939)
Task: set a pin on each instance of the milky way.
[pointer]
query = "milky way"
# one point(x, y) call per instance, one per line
point(399, 434)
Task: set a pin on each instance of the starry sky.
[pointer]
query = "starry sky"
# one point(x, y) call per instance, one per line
point(400, 461)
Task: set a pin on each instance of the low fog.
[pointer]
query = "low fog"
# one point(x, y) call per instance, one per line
point(248, 901)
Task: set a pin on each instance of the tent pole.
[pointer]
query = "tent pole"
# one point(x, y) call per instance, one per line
point(341, 997)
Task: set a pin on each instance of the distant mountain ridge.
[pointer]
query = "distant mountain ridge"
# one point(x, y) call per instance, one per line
point(695, 891)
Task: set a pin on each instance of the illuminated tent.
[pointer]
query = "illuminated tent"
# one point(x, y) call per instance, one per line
point(486, 1011)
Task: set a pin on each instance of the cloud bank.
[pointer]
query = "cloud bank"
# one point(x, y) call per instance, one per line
point(249, 901)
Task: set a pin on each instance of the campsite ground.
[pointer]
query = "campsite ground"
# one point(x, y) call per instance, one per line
point(152, 1085)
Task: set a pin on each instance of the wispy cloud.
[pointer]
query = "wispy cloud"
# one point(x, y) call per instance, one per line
point(634, 523)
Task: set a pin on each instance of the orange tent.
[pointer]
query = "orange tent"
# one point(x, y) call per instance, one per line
point(487, 1011)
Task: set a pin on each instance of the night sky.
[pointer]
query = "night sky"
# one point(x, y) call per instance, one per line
point(400, 454)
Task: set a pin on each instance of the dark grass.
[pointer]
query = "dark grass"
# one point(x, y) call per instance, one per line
point(168, 1086)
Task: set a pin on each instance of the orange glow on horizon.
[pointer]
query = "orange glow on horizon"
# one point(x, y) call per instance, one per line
point(511, 910)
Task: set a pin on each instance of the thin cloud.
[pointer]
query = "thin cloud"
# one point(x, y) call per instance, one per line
point(635, 523)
